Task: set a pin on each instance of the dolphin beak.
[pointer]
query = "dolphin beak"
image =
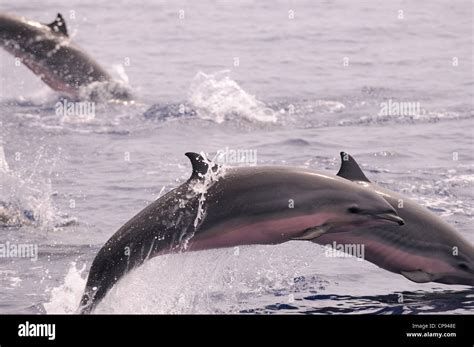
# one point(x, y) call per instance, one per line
point(391, 217)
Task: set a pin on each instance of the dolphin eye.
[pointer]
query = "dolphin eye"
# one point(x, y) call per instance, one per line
point(353, 209)
point(463, 266)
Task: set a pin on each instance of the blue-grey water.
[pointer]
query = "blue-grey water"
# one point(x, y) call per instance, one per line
point(295, 81)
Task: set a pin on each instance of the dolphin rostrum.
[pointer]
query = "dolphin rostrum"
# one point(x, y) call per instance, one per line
point(426, 249)
point(226, 207)
point(47, 50)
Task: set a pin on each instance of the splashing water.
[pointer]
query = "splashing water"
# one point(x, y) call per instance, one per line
point(3, 162)
point(119, 69)
point(26, 202)
point(106, 91)
point(66, 297)
point(215, 281)
point(201, 187)
point(217, 97)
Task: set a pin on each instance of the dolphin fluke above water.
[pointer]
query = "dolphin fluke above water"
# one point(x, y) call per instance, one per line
point(426, 249)
point(226, 207)
point(47, 50)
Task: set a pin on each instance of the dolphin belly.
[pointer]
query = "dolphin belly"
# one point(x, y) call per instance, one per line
point(270, 231)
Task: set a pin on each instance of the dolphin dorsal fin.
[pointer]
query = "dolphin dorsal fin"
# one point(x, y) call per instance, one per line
point(350, 170)
point(59, 25)
point(200, 165)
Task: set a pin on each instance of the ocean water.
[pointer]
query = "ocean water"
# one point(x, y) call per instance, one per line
point(295, 81)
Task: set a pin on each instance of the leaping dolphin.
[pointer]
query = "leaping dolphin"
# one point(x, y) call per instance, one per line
point(426, 249)
point(225, 207)
point(47, 50)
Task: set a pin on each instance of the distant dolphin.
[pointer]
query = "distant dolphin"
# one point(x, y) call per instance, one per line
point(231, 207)
point(47, 50)
point(426, 249)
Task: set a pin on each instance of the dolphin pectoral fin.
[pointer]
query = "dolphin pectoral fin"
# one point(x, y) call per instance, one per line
point(312, 233)
point(418, 276)
point(59, 25)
